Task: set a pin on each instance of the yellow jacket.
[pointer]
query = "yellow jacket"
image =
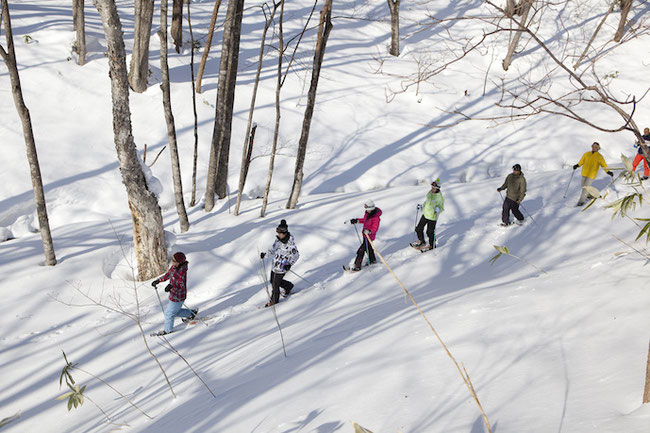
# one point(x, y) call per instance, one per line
point(591, 162)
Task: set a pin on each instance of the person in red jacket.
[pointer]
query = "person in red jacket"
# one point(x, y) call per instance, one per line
point(177, 288)
point(370, 221)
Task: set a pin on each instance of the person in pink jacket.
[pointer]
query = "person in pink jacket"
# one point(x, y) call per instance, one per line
point(370, 221)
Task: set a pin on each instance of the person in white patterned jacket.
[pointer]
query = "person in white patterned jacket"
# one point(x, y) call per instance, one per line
point(285, 254)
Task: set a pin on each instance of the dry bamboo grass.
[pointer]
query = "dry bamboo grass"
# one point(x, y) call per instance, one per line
point(460, 367)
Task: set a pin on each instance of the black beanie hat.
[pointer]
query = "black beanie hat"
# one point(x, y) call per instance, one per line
point(282, 227)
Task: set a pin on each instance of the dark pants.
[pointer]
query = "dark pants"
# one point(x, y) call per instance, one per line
point(362, 250)
point(277, 281)
point(431, 230)
point(510, 205)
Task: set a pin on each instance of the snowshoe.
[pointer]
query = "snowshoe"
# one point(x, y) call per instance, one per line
point(160, 333)
point(190, 318)
point(349, 269)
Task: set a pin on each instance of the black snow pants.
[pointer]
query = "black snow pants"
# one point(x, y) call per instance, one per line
point(510, 205)
point(365, 245)
point(277, 281)
point(431, 230)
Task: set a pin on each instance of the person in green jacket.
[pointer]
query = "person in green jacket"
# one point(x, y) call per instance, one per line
point(432, 208)
point(516, 185)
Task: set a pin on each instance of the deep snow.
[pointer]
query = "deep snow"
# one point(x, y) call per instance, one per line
point(561, 351)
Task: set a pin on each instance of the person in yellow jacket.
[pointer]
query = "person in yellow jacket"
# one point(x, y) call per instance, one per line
point(590, 163)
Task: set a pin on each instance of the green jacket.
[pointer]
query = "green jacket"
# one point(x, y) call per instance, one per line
point(516, 186)
point(432, 202)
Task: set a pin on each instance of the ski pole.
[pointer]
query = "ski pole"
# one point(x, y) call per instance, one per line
point(502, 199)
point(357, 230)
point(531, 217)
point(200, 319)
point(365, 242)
point(301, 277)
point(567, 187)
point(417, 214)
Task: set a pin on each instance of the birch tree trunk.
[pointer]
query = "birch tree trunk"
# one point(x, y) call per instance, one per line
point(220, 149)
point(139, 72)
point(208, 45)
point(148, 234)
point(79, 24)
point(646, 391)
point(248, 138)
point(169, 120)
point(584, 53)
point(324, 28)
point(9, 57)
point(196, 117)
point(276, 129)
point(177, 24)
point(393, 5)
point(626, 5)
point(525, 7)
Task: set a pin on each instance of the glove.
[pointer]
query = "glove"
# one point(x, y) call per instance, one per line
point(353, 221)
point(419, 207)
point(154, 283)
point(286, 267)
point(366, 232)
point(610, 173)
point(576, 166)
point(168, 288)
point(262, 255)
point(499, 189)
point(437, 209)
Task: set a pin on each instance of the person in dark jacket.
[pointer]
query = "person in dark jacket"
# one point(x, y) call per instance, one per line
point(515, 184)
point(641, 155)
point(285, 255)
point(370, 221)
point(177, 288)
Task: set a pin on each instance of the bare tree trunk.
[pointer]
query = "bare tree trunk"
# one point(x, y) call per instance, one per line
point(324, 29)
point(276, 129)
point(196, 117)
point(525, 7)
point(177, 24)
point(169, 119)
point(393, 5)
point(208, 45)
point(626, 5)
point(148, 233)
point(78, 22)
point(584, 53)
point(139, 72)
point(220, 149)
point(646, 392)
point(510, 8)
point(9, 57)
point(248, 138)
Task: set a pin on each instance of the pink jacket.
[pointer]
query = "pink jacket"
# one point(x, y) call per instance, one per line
point(371, 222)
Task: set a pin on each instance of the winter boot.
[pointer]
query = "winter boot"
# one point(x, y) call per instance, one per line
point(190, 317)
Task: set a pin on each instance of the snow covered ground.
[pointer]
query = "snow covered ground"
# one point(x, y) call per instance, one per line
point(554, 343)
